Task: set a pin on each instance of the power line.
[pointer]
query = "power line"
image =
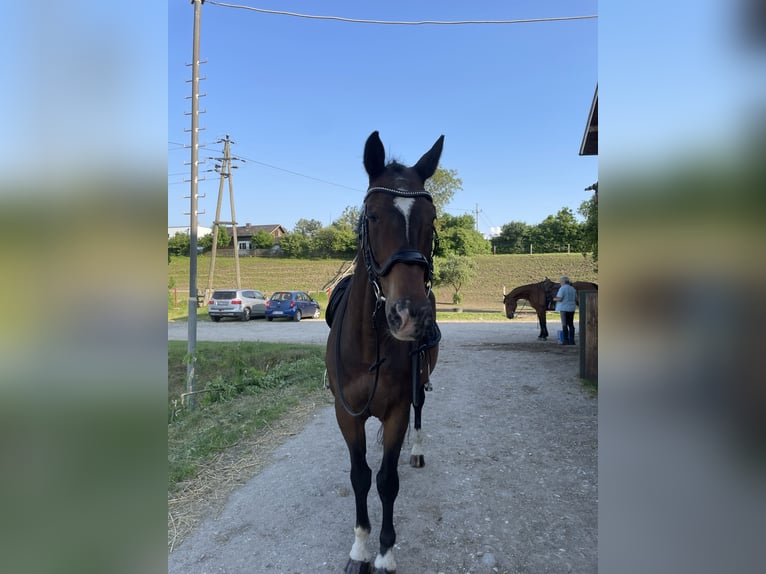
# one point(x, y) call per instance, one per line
point(300, 174)
point(402, 22)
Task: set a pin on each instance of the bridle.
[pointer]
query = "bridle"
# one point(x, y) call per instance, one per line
point(375, 272)
point(413, 256)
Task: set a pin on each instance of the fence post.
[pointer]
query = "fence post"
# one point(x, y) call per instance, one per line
point(589, 335)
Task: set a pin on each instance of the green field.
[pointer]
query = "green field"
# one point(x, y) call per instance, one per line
point(483, 293)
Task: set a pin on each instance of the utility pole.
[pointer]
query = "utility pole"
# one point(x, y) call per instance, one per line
point(224, 168)
point(477, 217)
point(192, 332)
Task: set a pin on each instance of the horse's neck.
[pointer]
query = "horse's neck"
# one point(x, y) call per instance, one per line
point(522, 292)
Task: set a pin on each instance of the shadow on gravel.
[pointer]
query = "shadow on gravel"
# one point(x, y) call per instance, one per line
point(544, 347)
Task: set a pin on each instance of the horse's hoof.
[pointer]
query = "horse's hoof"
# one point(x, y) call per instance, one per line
point(417, 461)
point(357, 567)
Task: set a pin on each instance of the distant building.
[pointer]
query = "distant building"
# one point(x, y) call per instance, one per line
point(246, 232)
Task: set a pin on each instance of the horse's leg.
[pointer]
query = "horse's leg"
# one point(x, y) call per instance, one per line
point(394, 429)
point(417, 459)
point(543, 325)
point(361, 479)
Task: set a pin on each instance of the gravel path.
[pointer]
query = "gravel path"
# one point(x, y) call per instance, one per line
point(509, 486)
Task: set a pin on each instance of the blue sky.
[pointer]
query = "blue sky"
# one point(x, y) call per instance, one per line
point(303, 95)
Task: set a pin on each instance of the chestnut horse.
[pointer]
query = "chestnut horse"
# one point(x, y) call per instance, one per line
point(383, 341)
point(540, 296)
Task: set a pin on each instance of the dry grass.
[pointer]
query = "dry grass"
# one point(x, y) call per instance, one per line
point(208, 491)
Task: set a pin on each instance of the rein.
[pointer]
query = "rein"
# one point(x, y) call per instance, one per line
point(375, 272)
point(342, 307)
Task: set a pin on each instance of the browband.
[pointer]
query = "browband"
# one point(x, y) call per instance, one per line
point(400, 193)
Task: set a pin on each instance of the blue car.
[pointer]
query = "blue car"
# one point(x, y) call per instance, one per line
point(293, 305)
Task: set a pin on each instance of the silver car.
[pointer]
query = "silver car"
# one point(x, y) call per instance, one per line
point(239, 303)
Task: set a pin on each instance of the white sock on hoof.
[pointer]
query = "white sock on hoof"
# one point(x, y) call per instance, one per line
point(359, 550)
point(386, 562)
point(417, 444)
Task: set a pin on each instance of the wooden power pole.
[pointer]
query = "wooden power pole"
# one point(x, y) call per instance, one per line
point(223, 166)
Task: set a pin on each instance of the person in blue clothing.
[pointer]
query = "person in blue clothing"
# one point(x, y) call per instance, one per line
point(565, 304)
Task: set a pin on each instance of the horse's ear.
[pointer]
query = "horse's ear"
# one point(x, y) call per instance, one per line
point(374, 156)
point(427, 164)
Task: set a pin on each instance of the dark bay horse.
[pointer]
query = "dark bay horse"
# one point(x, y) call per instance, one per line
point(383, 341)
point(540, 296)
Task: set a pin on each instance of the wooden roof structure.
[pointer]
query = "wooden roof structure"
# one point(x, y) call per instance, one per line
point(589, 145)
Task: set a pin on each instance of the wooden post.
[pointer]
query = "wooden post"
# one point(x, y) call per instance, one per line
point(589, 335)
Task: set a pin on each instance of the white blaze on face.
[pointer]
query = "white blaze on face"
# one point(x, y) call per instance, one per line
point(404, 204)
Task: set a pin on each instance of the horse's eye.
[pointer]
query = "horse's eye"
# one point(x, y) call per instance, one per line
point(372, 217)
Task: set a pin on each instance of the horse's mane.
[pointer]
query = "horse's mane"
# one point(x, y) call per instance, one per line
point(395, 166)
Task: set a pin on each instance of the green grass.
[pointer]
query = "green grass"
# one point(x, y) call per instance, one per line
point(483, 293)
point(250, 385)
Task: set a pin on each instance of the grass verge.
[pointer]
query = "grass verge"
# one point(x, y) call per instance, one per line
point(249, 385)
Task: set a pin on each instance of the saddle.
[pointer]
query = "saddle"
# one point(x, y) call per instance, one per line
point(335, 298)
point(550, 291)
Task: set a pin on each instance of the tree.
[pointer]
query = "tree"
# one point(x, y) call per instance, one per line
point(349, 217)
point(179, 244)
point(456, 271)
point(442, 186)
point(294, 245)
point(589, 210)
point(263, 240)
point(307, 227)
point(458, 236)
point(513, 238)
point(557, 233)
point(334, 242)
point(223, 239)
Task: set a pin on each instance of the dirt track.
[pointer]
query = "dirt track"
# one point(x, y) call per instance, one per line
point(510, 482)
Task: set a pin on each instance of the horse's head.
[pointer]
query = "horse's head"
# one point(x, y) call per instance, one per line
point(397, 237)
point(510, 305)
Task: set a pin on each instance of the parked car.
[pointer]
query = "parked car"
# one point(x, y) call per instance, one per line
point(294, 305)
point(239, 303)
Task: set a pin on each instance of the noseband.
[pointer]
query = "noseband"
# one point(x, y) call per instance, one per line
point(412, 256)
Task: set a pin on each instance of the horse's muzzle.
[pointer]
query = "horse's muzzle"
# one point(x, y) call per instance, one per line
point(409, 322)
